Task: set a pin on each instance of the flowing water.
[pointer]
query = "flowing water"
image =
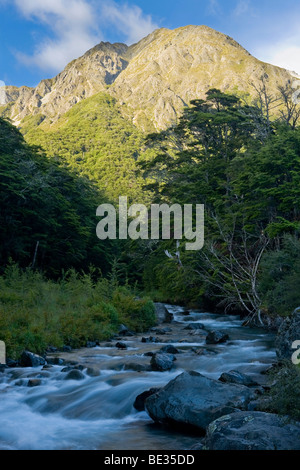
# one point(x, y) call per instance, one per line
point(97, 412)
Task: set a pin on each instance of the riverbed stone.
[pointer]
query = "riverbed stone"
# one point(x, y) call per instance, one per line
point(29, 359)
point(216, 337)
point(162, 361)
point(34, 383)
point(169, 349)
point(121, 345)
point(148, 354)
point(236, 377)
point(74, 375)
point(253, 430)
point(137, 367)
point(124, 331)
point(288, 332)
point(193, 400)
point(150, 339)
point(194, 326)
point(91, 372)
point(139, 403)
point(56, 361)
point(162, 313)
point(91, 344)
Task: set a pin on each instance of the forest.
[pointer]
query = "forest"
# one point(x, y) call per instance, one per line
point(61, 285)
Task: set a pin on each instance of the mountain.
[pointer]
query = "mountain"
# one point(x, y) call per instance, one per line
point(152, 80)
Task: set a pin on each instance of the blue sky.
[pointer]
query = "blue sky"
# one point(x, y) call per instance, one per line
point(39, 37)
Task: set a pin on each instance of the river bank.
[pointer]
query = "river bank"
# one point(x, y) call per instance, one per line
point(85, 398)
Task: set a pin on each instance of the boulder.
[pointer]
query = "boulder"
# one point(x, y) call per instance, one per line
point(69, 368)
point(91, 372)
point(139, 403)
point(124, 331)
point(151, 339)
point(194, 326)
point(11, 363)
point(288, 332)
point(137, 367)
point(236, 377)
point(34, 383)
point(56, 361)
point(160, 331)
point(193, 400)
point(162, 361)
point(162, 313)
point(29, 359)
point(91, 344)
point(169, 349)
point(121, 345)
point(253, 430)
point(74, 375)
point(216, 337)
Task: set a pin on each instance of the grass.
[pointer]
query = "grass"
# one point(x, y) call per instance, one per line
point(284, 395)
point(36, 313)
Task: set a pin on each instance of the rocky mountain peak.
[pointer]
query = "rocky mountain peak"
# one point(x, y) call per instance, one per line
point(152, 80)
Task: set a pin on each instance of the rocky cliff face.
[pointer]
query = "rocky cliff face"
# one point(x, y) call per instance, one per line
point(82, 78)
point(181, 65)
point(153, 79)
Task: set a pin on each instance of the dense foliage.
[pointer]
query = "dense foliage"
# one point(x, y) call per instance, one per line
point(36, 312)
point(227, 155)
point(48, 214)
point(95, 140)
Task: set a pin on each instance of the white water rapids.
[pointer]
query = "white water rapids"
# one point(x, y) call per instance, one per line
point(98, 412)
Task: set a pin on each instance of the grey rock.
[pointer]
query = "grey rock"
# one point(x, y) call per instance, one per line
point(151, 339)
point(191, 399)
point(162, 361)
point(216, 337)
point(91, 344)
point(74, 375)
point(288, 332)
point(194, 326)
point(29, 359)
point(124, 331)
point(12, 363)
point(137, 367)
point(69, 368)
point(34, 383)
point(91, 372)
point(236, 377)
point(121, 345)
point(169, 349)
point(56, 361)
point(139, 403)
point(162, 313)
point(253, 431)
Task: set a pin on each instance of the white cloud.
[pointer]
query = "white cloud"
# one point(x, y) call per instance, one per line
point(129, 20)
point(242, 7)
point(284, 53)
point(76, 27)
point(214, 8)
